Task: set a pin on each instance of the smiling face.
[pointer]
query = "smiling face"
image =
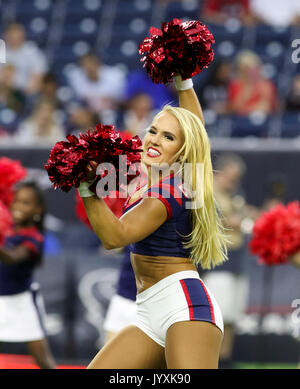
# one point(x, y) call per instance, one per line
point(163, 140)
point(24, 207)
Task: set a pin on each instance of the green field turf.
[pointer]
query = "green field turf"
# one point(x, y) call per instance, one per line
point(265, 366)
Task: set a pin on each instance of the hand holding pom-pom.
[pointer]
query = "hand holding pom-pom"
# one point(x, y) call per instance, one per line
point(182, 48)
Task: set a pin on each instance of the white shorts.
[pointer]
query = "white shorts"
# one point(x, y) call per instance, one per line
point(21, 317)
point(121, 312)
point(179, 297)
point(231, 291)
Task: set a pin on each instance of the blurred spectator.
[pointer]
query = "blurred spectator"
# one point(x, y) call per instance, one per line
point(28, 60)
point(49, 92)
point(100, 86)
point(49, 87)
point(293, 98)
point(219, 11)
point(214, 94)
point(139, 115)
point(10, 96)
point(138, 82)
point(81, 119)
point(229, 282)
point(276, 12)
point(250, 91)
point(41, 127)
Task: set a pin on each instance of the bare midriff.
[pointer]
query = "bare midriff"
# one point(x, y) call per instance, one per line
point(151, 269)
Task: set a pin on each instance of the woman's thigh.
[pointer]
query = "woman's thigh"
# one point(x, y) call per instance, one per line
point(193, 345)
point(131, 348)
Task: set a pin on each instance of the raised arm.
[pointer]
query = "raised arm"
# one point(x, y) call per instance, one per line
point(188, 98)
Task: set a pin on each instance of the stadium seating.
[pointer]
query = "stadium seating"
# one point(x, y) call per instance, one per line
point(290, 125)
point(67, 29)
point(252, 125)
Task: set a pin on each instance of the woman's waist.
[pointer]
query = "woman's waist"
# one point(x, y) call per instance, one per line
point(151, 269)
point(161, 246)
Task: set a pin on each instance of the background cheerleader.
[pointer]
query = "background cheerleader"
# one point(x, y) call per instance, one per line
point(21, 305)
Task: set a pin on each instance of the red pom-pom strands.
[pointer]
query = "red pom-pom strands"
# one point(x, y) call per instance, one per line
point(6, 222)
point(178, 48)
point(11, 172)
point(276, 234)
point(68, 160)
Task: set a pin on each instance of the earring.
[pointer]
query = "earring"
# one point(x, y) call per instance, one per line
point(37, 218)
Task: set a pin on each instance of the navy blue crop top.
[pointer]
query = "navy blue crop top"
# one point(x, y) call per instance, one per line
point(168, 239)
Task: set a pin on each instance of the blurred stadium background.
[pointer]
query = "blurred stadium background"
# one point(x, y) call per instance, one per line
point(78, 277)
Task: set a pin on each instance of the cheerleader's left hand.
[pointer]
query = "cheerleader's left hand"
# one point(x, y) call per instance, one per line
point(295, 259)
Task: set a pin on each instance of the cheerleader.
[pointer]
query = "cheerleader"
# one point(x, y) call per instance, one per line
point(171, 226)
point(21, 305)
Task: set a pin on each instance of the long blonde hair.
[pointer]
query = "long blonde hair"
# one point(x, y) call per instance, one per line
point(207, 240)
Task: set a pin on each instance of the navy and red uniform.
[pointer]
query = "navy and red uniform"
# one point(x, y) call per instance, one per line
point(21, 305)
point(167, 240)
point(16, 278)
point(182, 295)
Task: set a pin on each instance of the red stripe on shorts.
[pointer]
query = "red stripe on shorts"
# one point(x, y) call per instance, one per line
point(188, 299)
point(210, 303)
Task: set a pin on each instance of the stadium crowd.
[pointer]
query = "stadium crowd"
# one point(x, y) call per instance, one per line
point(41, 102)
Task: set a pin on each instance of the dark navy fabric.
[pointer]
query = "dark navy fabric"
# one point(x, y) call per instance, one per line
point(168, 239)
point(16, 278)
point(200, 305)
point(126, 283)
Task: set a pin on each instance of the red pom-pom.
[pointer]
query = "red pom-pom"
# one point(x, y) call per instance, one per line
point(6, 222)
point(276, 234)
point(178, 48)
point(11, 172)
point(68, 160)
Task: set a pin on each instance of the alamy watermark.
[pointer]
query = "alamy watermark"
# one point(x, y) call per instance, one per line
point(296, 317)
point(161, 175)
point(296, 52)
point(2, 51)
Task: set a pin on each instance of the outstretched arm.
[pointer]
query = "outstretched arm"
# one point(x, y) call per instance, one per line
point(188, 98)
